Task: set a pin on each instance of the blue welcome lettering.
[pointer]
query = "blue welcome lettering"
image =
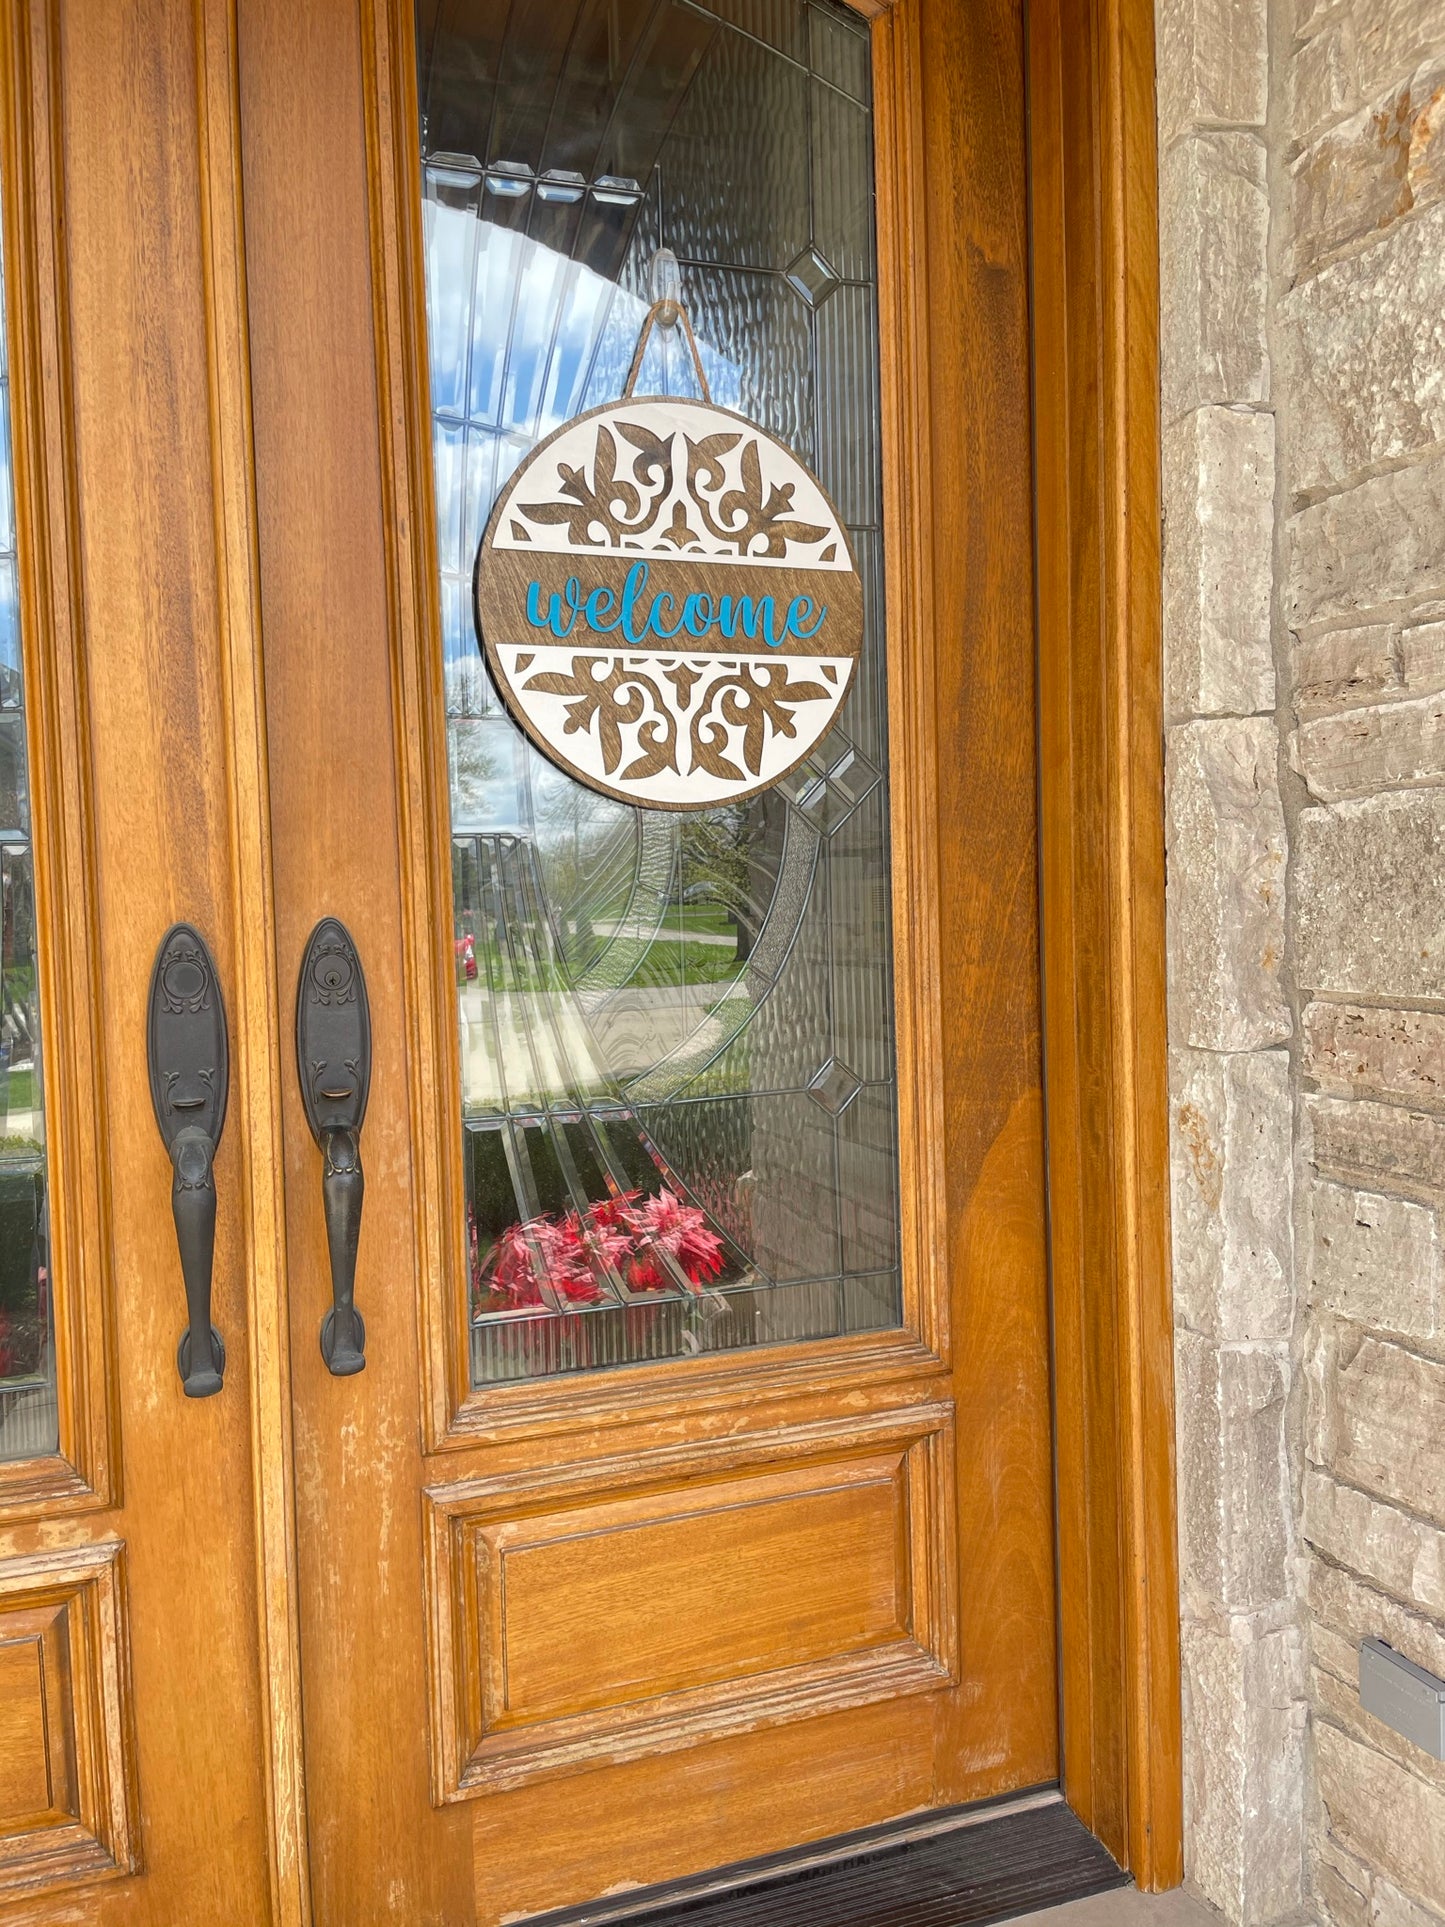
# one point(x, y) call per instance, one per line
point(553, 618)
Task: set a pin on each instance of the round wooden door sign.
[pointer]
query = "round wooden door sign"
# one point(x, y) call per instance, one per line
point(668, 603)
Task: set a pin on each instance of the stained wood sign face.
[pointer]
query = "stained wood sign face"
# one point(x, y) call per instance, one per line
point(668, 603)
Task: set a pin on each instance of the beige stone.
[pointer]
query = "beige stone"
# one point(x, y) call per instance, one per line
point(1379, 1423)
point(1388, 746)
point(1366, 344)
point(1355, 1895)
point(1422, 657)
point(1369, 171)
point(1226, 847)
point(1244, 1769)
point(1355, 1611)
point(1377, 543)
point(1231, 1129)
point(1213, 63)
point(1393, 1819)
point(1374, 1260)
point(1341, 1885)
point(1218, 560)
point(1370, 895)
point(1341, 668)
point(1324, 77)
point(1214, 222)
point(1234, 1495)
point(1377, 1053)
point(1378, 1147)
point(1393, 37)
point(1336, 1697)
point(1402, 1555)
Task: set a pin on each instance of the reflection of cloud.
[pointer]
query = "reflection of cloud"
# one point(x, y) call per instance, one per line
point(522, 338)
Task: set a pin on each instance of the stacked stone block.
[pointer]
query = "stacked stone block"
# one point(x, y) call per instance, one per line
point(1230, 1016)
point(1361, 302)
point(1302, 176)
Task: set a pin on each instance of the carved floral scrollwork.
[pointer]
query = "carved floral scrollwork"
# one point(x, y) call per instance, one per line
point(605, 693)
point(616, 504)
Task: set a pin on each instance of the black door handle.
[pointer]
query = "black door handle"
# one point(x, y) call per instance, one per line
point(333, 1060)
point(190, 1075)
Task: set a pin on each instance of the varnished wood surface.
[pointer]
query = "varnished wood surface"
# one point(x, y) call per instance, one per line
point(112, 395)
point(359, 831)
point(202, 668)
point(1101, 750)
point(358, 798)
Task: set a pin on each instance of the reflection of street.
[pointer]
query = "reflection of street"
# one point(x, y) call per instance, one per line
point(636, 1031)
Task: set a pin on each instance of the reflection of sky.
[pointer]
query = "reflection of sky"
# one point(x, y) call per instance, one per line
point(522, 338)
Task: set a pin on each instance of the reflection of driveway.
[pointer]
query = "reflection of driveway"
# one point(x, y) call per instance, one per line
point(725, 940)
point(631, 1033)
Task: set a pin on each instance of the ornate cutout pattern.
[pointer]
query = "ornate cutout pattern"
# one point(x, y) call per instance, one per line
point(707, 551)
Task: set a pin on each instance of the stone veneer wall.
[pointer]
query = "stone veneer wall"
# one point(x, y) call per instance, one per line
point(1302, 180)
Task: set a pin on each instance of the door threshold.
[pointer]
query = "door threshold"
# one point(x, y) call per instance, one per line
point(955, 1867)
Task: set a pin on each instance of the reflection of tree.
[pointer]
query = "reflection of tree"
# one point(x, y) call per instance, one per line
point(475, 762)
point(718, 864)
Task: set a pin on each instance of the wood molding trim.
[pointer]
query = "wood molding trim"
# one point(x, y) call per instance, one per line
point(1096, 350)
point(501, 1719)
point(259, 1028)
point(84, 1475)
point(457, 1417)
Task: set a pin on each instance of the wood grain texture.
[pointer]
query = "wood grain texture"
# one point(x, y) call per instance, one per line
point(624, 1608)
point(356, 737)
point(1101, 750)
point(69, 1805)
point(971, 516)
point(85, 1473)
point(112, 398)
point(326, 547)
point(259, 1027)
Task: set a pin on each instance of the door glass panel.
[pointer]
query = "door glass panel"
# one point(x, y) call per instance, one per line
point(676, 1030)
point(27, 1356)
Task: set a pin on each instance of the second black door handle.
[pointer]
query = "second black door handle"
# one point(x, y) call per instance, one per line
point(333, 1061)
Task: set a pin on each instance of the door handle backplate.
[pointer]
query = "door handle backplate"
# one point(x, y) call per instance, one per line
point(333, 1061)
point(188, 1056)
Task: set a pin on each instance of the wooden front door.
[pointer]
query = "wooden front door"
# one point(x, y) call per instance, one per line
point(695, 1499)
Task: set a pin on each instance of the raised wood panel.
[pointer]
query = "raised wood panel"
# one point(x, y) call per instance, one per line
point(596, 1613)
point(28, 1757)
point(659, 1593)
point(68, 1798)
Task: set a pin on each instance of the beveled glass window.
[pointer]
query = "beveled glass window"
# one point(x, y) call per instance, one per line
point(676, 1030)
point(27, 1347)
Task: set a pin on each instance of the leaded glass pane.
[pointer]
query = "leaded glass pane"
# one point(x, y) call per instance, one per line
point(676, 1031)
point(28, 1423)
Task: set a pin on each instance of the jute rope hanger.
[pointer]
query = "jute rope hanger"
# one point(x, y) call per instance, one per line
point(668, 312)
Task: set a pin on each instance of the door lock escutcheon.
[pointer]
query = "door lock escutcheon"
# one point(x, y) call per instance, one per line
point(188, 1056)
point(333, 1061)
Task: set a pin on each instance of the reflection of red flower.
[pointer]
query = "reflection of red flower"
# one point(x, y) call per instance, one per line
point(680, 1229)
point(614, 1234)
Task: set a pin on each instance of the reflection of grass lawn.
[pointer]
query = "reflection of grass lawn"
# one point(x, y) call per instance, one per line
point(667, 960)
point(702, 919)
point(20, 1092)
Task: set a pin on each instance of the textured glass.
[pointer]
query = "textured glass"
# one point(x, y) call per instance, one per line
point(28, 1425)
point(676, 1031)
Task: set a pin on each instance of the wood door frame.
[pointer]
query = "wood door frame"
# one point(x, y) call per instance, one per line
point(1095, 354)
point(1089, 67)
point(1093, 166)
